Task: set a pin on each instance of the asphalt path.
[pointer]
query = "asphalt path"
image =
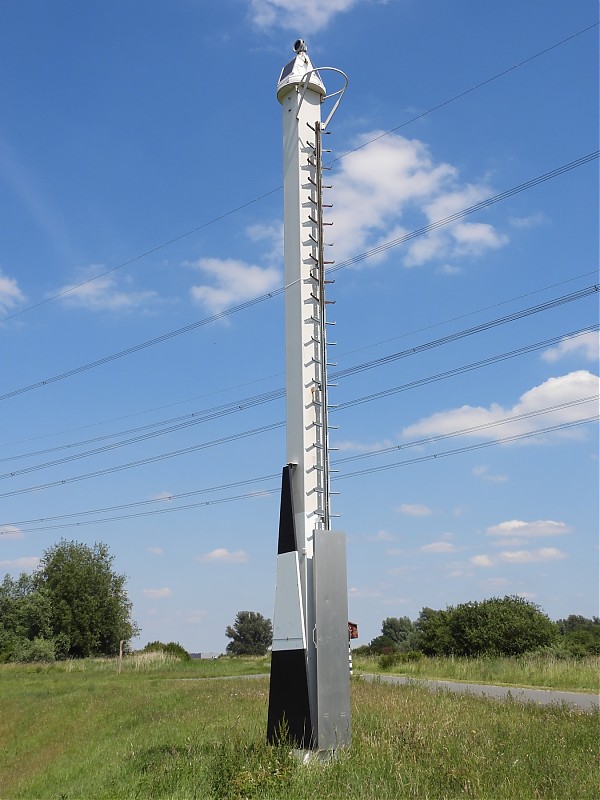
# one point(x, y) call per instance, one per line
point(542, 697)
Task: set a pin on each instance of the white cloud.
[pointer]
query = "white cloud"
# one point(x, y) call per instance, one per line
point(438, 547)
point(450, 270)
point(555, 391)
point(527, 595)
point(11, 532)
point(531, 556)
point(586, 345)
point(483, 473)
point(394, 173)
point(162, 496)
point(527, 530)
point(157, 594)
point(474, 238)
point(27, 563)
point(233, 281)
point(415, 510)
point(272, 235)
point(221, 554)
point(156, 551)
point(10, 294)
point(519, 557)
point(106, 293)
point(481, 561)
point(382, 185)
point(531, 221)
point(297, 15)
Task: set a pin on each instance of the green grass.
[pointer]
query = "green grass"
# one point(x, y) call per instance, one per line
point(532, 670)
point(158, 663)
point(91, 733)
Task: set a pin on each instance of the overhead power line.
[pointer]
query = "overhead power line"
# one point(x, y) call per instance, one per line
point(470, 431)
point(468, 448)
point(462, 369)
point(273, 490)
point(197, 418)
point(254, 200)
point(149, 460)
point(466, 211)
point(259, 299)
point(466, 92)
point(484, 326)
point(344, 354)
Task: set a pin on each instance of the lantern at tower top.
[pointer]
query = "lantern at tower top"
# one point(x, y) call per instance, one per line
point(299, 71)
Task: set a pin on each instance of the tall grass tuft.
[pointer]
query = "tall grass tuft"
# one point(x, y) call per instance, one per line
point(544, 670)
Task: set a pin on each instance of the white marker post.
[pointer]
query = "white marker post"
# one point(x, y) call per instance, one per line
point(309, 696)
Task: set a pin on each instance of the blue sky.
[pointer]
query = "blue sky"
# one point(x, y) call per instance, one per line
point(140, 174)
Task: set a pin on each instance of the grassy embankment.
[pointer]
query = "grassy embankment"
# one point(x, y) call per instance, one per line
point(536, 670)
point(83, 731)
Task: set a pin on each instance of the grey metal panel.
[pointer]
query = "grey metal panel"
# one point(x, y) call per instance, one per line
point(331, 609)
point(288, 618)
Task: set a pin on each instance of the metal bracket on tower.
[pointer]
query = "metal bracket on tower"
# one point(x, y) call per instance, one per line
point(339, 94)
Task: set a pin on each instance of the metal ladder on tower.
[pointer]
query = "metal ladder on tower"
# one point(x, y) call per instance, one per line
point(320, 385)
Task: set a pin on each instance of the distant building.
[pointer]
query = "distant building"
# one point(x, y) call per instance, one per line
point(205, 655)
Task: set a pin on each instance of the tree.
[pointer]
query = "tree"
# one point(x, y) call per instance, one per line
point(433, 633)
point(580, 635)
point(397, 634)
point(90, 607)
point(25, 618)
point(498, 626)
point(251, 634)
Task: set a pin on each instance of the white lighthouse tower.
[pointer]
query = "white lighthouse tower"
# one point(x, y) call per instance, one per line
point(309, 699)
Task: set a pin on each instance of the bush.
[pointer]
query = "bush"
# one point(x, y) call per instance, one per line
point(505, 626)
point(38, 650)
point(171, 648)
point(580, 636)
point(389, 660)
